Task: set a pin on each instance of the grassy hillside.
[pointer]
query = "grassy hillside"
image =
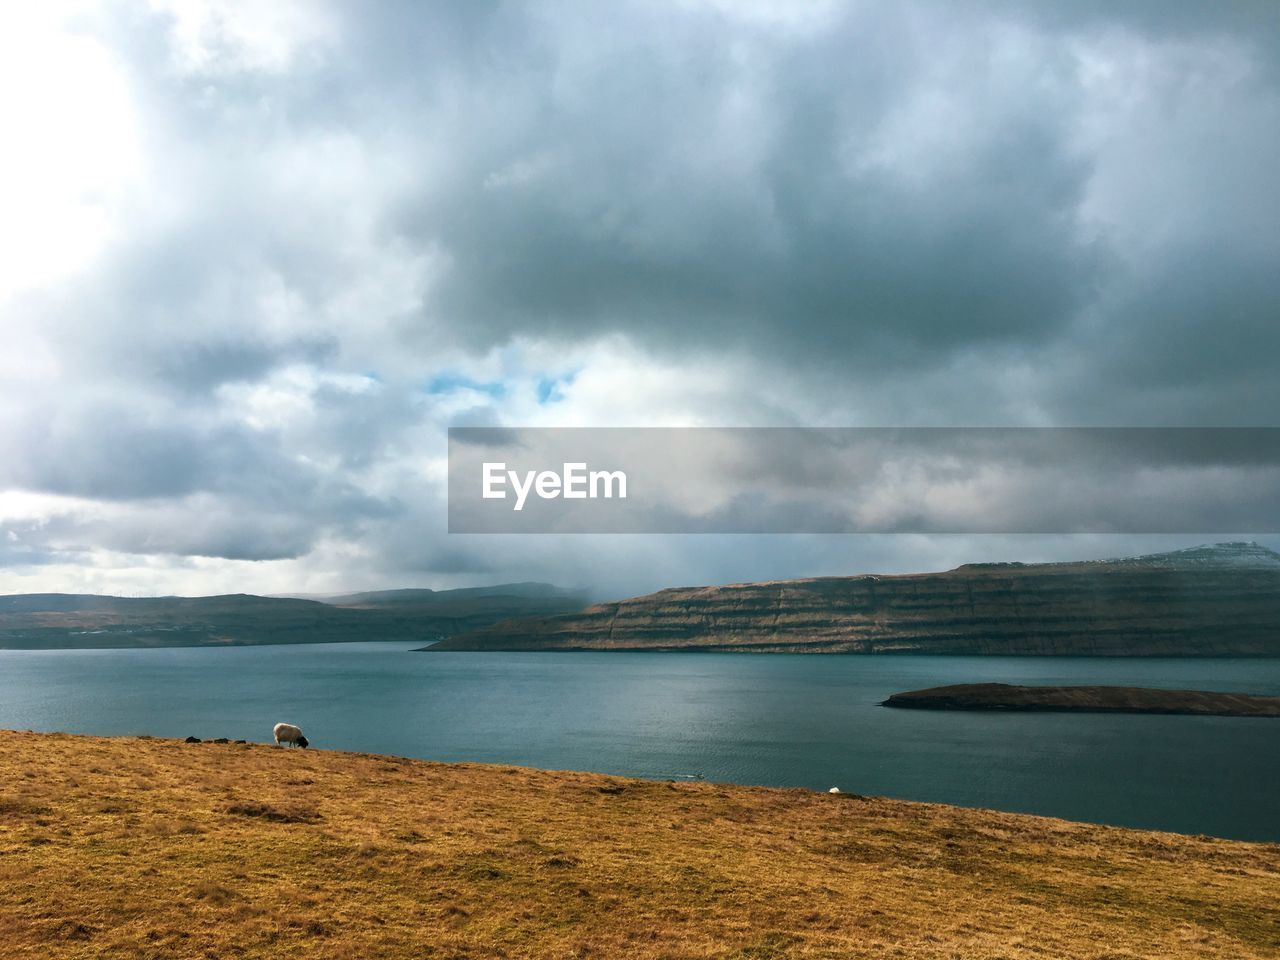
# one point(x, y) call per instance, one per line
point(133, 848)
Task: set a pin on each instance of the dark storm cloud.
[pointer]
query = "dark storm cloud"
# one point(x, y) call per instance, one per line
point(892, 188)
point(1195, 342)
point(705, 182)
point(663, 186)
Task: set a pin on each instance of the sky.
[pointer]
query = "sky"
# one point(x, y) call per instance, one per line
point(255, 259)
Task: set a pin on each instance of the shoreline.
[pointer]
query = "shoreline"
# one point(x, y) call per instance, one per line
point(194, 741)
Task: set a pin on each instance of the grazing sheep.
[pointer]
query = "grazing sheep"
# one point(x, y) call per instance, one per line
point(834, 790)
point(288, 733)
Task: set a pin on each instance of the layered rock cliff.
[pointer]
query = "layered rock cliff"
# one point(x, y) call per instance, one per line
point(1220, 600)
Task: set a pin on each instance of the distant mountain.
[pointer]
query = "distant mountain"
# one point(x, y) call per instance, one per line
point(526, 590)
point(1217, 600)
point(58, 620)
point(1236, 555)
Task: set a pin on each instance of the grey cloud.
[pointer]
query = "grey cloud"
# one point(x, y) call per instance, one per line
point(229, 531)
point(226, 532)
point(1176, 19)
point(881, 220)
point(172, 482)
point(24, 543)
point(697, 181)
point(113, 451)
point(857, 481)
point(639, 207)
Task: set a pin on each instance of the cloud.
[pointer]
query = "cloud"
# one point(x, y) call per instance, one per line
point(256, 261)
point(821, 196)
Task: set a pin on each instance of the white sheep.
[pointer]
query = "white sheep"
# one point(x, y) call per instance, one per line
point(288, 733)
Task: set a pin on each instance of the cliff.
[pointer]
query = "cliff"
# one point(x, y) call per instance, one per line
point(1220, 600)
point(1090, 699)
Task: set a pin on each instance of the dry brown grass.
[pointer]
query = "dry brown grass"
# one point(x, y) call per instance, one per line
point(135, 848)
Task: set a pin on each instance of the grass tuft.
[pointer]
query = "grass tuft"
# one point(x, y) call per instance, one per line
point(263, 811)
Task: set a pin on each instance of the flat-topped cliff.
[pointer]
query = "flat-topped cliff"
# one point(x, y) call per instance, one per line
point(1218, 600)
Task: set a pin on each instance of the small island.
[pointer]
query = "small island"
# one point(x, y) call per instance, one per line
point(1004, 696)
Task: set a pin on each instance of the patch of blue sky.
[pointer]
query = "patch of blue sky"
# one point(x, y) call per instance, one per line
point(454, 382)
point(549, 388)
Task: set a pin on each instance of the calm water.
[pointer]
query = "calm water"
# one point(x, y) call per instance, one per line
point(791, 720)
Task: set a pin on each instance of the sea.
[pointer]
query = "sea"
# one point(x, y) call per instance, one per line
point(787, 720)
